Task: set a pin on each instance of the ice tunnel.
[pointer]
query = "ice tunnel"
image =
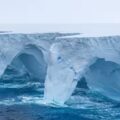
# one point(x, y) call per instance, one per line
point(32, 60)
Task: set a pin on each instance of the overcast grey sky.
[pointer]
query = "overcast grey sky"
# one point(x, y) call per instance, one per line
point(59, 11)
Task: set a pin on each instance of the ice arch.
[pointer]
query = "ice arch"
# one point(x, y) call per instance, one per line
point(70, 60)
point(32, 59)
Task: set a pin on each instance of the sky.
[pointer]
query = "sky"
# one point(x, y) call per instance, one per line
point(59, 11)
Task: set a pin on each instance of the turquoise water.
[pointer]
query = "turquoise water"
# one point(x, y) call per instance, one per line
point(21, 98)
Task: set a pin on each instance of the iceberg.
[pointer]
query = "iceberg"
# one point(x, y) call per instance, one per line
point(60, 62)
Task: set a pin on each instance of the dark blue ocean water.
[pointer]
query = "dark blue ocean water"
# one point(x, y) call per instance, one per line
point(21, 98)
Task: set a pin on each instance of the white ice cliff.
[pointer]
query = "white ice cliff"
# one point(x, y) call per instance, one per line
point(60, 62)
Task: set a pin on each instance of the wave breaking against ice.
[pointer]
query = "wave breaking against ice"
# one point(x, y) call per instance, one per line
point(61, 62)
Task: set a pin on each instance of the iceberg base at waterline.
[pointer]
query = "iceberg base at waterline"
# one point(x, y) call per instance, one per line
point(61, 62)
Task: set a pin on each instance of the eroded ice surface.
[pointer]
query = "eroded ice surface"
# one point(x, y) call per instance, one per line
point(60, 62)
